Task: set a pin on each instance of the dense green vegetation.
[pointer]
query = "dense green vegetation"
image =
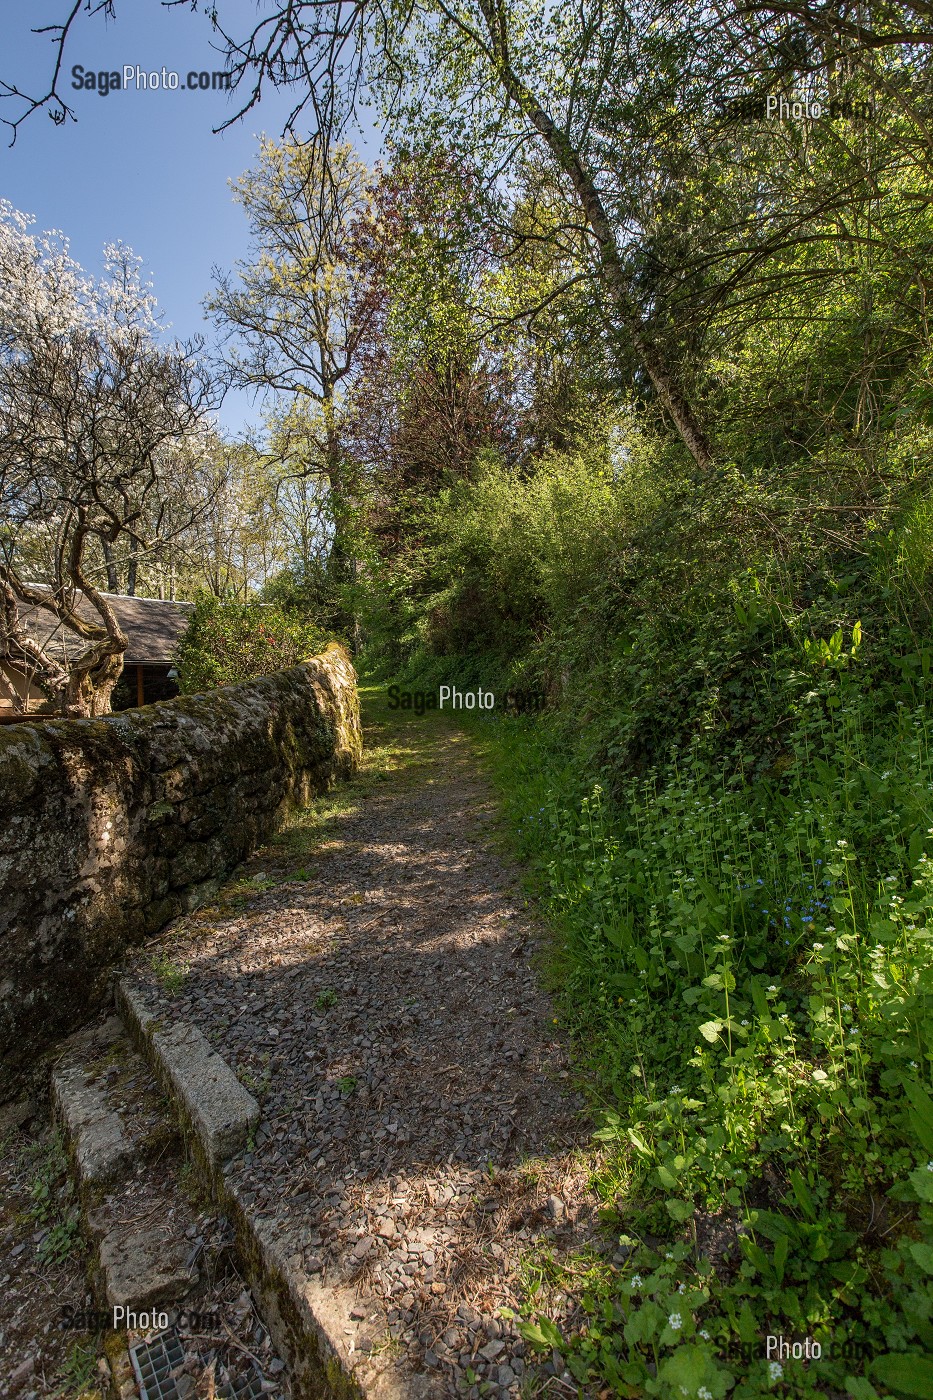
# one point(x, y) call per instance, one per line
point(228, 641)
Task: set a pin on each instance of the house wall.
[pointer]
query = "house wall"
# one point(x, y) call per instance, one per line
point(111, 827)
point(23, 686)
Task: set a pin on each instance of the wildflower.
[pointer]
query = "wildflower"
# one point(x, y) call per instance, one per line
point(842, 845)
point(681, 1288)
point(846, 1006)
point(772, 988)
point(775, 1370)
point(704, 1393)
point(818, 947)
point(830, 928)
point(853, 1031)
point(913, 1064)
point(668, 1255)
point(675, 1322)
point(634, 1282)
point(930, 1166)
point(820, 1075)
point(744, 1023)
point(704, 1334)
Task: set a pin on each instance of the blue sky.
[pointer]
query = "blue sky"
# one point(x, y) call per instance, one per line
point(144, 167)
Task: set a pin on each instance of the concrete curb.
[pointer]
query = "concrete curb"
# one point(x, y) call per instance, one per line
point(214, 1103)
point(310, 1321)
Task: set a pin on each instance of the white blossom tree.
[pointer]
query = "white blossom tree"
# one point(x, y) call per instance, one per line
point(94, 412)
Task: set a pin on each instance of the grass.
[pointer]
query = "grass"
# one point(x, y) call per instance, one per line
point(172, 976)
point(53, 1207)
point(78, 1374)
point(745, 965)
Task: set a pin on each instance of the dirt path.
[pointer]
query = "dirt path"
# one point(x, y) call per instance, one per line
point(370, 977)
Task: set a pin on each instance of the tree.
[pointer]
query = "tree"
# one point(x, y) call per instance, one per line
point(294, 317)
point(93, 415)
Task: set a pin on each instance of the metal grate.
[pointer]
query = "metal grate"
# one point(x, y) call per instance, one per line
point(245, 1388)
point(154, 1362)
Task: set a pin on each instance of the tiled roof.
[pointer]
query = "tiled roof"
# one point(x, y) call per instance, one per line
point(153, 627)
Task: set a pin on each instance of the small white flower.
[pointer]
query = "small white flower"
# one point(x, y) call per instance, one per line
point(681, 1288)
point(817, 947)
point(930, 1166)
point(704, 1394)
point(842, 845)
point(830, 928)
point(635, 1282)
point(913, 1064)
point(775, 1370)
point(675, 1322)
point(772, 988)
point(744, 1023)
point(846, 1006)
point(675, 1089)
point(853, 1031)
point(668, 1255)
point(820, 1075)
point(704, 1334)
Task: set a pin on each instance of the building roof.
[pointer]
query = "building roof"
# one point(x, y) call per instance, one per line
point(153, 627)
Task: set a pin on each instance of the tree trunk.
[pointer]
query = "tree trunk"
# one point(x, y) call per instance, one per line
point(113, 583)
point(133, 567)
point(89, 692)
point(570, 162)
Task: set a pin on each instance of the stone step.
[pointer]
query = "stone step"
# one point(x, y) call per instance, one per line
point(127, 1156)
point(207, 1094)
point(166, 1272)
point(313, 1324)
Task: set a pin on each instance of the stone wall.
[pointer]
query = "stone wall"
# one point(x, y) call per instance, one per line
point(110, 827)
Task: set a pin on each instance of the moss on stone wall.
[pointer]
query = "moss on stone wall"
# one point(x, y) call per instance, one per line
point(111, 827)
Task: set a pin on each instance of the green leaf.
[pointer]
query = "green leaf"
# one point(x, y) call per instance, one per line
point(803, 1194)
point(533, 1336)
point(910, 1373)
point(748, 1329)
point(686, 1369)
point(923, 1255)
point(780, 1257)
point(710, 1030)
point(922, 1182)
point(921, 1116)
point(860, 1389)
point(639, 1143)
point(679, 1210)
point(760, 1000)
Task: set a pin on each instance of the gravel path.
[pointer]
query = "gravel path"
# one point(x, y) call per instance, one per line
point(420, 1135)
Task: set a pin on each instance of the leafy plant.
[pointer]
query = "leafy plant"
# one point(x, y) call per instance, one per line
point(227, 642)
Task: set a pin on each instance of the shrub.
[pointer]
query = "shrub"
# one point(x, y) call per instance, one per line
point(227, 642)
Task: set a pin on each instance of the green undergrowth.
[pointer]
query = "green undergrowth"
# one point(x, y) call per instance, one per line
point(743, 955)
